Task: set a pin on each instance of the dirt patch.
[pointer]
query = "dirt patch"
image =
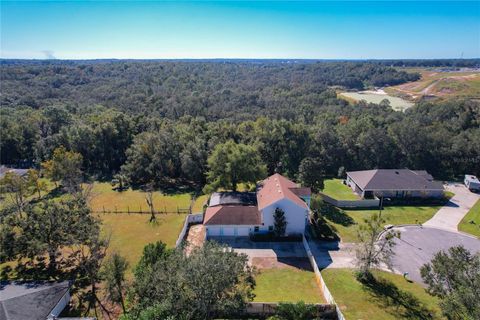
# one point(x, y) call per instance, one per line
point(195, 237)
point(281, 263)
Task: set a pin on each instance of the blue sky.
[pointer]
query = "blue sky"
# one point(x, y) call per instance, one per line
point(323, 30)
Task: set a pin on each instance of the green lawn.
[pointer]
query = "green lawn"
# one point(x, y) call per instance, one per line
point(131, 232)
point(390, 296)
point(337, 190)
point(111, 200)
point(345, 222)
point(199, 202)
point(287, 285)
point(472, 216)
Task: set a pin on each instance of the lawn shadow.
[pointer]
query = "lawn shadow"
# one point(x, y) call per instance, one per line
point(395, 300)
point(336, 215)
point(322, 230)
point(52, 194)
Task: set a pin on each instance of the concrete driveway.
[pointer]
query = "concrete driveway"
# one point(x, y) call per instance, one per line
point(259, 250)
point(418, 245)
point(449, 216)
point(333, 254)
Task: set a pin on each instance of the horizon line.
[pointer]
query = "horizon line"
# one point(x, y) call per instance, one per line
point(278, 59)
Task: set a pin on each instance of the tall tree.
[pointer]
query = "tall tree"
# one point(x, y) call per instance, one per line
point(454, 277)
point(279, 222)
point(35, 184)
point(311, 173)
point(210, 282)
point(114, 274)
point(231, 163)
point(373, 250)
point(65, 166)
point(51, 225)
point(16, 189)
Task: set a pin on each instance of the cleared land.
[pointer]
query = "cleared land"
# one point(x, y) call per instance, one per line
point(389, 296)
point(287, 285)
point(466, 224)
point(345, 222)
point(396, 103)
point(337, 190)
point(134, 200)
point(131, 232)
point(437, 83)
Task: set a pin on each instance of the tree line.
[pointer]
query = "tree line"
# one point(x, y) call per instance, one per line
point(172, 89)
point(442, 138)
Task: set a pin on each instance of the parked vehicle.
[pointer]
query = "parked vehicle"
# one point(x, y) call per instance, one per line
point(472, 183)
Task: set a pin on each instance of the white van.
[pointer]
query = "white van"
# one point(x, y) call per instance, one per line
point(472, 182)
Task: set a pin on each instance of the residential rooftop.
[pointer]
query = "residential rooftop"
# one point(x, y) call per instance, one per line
point(394, 179)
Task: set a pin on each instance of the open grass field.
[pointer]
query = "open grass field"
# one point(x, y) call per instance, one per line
point(396, 103)
point(473, 215)
point(129, 233)
point(287, 285)
point(390, 296)
point(442, 84)
point(134, 200)
point(345, 222)
point(199, 202)
point(337, 190)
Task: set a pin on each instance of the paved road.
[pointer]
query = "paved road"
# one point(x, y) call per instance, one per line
point(449, 216)
point(418, 245)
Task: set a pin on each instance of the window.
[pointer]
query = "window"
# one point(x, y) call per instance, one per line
point(270, 228)
point(257, 229)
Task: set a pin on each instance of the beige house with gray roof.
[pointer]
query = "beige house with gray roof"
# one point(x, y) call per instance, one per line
point(394, 183)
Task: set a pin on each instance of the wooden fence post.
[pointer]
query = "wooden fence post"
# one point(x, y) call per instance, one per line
point(103, 209)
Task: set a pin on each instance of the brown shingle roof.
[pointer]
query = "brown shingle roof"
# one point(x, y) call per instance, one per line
point(232, 215)
point(276, 188)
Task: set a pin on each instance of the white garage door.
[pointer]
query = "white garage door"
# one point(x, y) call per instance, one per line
point(242, 231)
point(213, 231)
point(228, 231)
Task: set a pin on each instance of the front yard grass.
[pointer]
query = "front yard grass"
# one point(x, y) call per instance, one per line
point(287, 285)
point(129, 233)
point(471, 222)
point(104, 197)
point(337, 190)
point(345, 222)
point(389, 296)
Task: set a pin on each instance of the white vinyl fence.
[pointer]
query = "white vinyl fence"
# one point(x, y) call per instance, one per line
point(189, 219)
point(318, 276)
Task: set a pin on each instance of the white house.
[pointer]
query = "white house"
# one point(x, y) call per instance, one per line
point(243, 213)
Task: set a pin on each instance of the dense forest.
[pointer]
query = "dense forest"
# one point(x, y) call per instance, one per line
point(160, 120)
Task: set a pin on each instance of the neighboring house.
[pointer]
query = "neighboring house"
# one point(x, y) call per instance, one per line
point(35, 300)
point(394, 183)
point(243, 213)
point(4, 170)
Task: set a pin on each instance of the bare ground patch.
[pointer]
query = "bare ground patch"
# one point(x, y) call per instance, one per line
point(282, 263)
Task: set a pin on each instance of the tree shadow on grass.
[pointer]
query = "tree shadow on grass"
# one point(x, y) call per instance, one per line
point(336, 215)
point(394, 300)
